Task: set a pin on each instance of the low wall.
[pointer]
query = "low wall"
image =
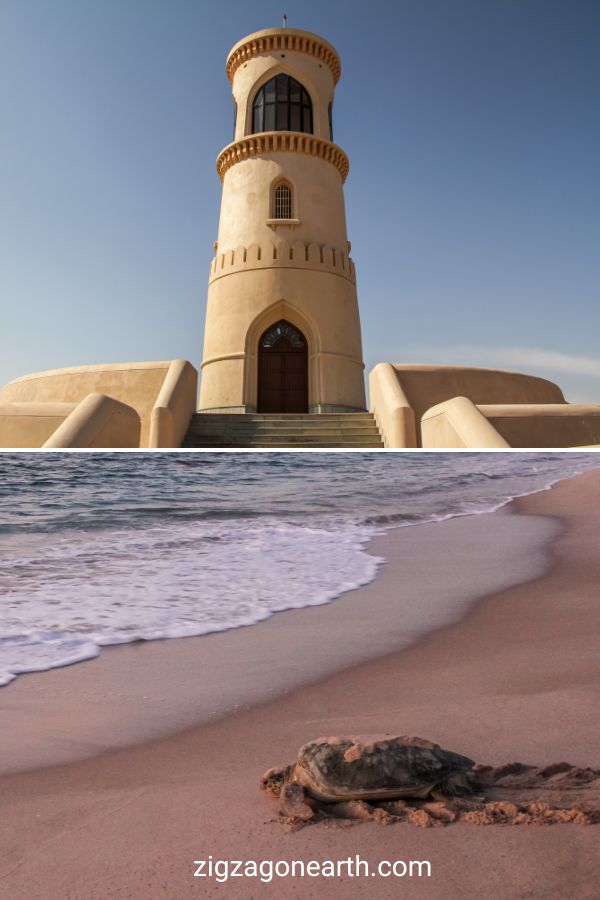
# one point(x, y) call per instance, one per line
point(137, 385)
point(174, 405)
point(29, 425)
point(98, 421)
point(394, 416)
point(458, 424)
point(421, 387)
point(550, 425)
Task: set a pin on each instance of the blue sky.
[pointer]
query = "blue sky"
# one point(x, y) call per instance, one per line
point(473, 200)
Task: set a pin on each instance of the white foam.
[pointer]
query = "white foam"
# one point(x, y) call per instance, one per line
point(69, 594)
point(66, 591)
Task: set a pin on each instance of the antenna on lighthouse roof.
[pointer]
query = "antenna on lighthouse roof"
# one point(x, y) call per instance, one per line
point(284, 20)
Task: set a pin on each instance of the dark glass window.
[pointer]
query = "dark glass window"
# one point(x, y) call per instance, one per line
point(269, 118)
point(282, 104)
point(331, 121)
point(234, 118)
point(281, 330)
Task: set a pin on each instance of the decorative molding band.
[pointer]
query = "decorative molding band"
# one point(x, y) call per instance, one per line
point(282, 142)
point(221, 358)
point(283, 39)
point(283, 255)
point(353, 359)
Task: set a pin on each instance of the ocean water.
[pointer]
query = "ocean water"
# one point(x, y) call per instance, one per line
point(99, 549)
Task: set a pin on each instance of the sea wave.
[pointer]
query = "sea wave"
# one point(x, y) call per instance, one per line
point(65, 599)
point(100, 550)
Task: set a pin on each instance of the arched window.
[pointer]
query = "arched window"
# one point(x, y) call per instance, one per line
point(282, 201)
point(282, 104)
point(331, 121)
point(282, 331)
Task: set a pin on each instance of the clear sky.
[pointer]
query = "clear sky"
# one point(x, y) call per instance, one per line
point(473, 201)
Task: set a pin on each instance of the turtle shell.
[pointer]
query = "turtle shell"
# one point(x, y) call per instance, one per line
point(334, 769)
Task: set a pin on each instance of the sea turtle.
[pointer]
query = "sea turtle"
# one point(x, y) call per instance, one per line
point(338, 769)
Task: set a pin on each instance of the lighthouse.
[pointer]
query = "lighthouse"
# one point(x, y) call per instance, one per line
point(282, 331)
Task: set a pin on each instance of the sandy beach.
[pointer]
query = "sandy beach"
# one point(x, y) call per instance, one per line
point(107, 808)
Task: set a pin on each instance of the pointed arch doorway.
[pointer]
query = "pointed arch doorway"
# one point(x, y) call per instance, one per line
point(282, 370)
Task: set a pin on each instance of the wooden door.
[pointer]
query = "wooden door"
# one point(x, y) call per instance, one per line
point(282, 370)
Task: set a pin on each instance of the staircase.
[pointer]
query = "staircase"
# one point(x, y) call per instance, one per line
point(273, 431)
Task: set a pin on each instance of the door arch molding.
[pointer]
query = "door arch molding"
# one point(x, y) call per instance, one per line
point(281, 309)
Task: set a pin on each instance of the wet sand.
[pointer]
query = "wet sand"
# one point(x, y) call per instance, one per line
point(136, 692)
point(517, 678)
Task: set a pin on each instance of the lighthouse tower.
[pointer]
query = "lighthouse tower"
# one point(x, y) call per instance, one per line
point(282, 326)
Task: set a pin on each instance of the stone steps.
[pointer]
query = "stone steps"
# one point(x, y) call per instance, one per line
point(259, 445)
point(287, 431)
point(248, 418)
point(259, 430)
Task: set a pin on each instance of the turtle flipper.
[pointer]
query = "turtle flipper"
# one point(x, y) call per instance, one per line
point(292, 802)
point(459, 785)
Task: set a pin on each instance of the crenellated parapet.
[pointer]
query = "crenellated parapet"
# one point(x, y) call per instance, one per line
point(277, 39)
point(282, 142)
point(285, 255)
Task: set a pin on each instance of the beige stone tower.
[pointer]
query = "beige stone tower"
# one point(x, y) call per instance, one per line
point(282, 325)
